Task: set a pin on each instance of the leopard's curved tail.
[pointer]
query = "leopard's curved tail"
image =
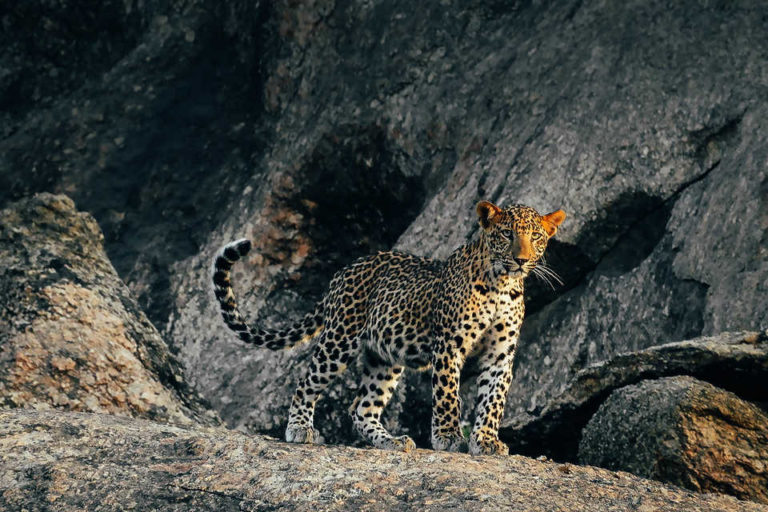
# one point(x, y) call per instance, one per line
point(273, 339)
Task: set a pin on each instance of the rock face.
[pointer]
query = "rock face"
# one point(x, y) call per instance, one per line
point(682, 431)
point(737, 362)
point(515, 105)
point(71, 335)
point(325, 130)
point(71, 461)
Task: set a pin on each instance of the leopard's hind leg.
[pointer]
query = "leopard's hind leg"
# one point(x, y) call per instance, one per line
point(332, 353)
point(379, 382)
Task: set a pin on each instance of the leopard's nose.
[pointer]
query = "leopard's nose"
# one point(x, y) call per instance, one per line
point(521, 261)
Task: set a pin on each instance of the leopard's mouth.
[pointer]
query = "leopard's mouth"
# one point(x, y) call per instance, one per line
point(513, 269)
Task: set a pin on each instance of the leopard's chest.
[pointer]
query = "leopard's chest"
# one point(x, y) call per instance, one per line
point(483, 309)
point(493, 302)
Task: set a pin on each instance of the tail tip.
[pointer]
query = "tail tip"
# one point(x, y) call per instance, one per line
point(243, 246)
point(237, 249)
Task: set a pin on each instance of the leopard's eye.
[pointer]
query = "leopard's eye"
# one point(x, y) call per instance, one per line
point(535, 236)
point(508, 234)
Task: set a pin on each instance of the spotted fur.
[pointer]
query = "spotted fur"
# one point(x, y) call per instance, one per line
point(400, 311)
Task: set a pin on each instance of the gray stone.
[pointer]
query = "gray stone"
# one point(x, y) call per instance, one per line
point(682, 431)
point(706, 274)
point(74, 461)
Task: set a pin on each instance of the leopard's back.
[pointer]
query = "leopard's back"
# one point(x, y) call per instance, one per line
point(397, 307)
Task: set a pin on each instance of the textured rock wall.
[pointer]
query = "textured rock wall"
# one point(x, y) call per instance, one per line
point(325, 130)
point(706, 273)
point(145, 113)
point(653, 141)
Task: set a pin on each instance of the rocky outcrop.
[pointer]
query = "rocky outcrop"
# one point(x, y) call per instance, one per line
point(682, 431)
point(71, 461)
point(737, 362)
point(326, 130)
point(71, 335)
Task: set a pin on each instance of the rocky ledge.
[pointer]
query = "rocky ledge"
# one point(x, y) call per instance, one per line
point(84, 461)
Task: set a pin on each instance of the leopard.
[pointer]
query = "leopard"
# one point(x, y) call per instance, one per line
point(398, 311)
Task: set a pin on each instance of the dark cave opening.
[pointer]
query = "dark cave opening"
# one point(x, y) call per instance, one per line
point(356, 199)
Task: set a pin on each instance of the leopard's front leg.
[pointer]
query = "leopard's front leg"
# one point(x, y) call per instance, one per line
point(492, 387)
point(446, 405)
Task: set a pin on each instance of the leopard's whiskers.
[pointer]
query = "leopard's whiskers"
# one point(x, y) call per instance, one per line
point(551, 273)
point(546, 274)
point(541, 275)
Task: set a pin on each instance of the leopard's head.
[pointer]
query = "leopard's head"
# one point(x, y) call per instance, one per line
point(516, 236)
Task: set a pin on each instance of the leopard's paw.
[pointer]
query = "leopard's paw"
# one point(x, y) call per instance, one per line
point(300, 434)
point(400, 444)
point(487, 446)
point(450, 442)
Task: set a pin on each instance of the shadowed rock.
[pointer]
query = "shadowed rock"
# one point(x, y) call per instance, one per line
point(733, 361)
point(682, 431)
point(73, 461)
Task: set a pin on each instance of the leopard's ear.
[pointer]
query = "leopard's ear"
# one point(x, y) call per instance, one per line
point(486, 211)
point(550, 221)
